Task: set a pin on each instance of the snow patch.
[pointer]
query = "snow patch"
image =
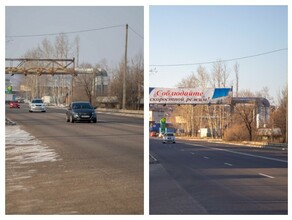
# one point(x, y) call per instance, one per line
point(23, 148)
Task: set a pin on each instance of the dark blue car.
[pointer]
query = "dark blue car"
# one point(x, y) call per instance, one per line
point(81, 111)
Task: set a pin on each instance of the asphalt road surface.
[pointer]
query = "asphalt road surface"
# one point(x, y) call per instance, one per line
point(99, 167)
point(207, 178)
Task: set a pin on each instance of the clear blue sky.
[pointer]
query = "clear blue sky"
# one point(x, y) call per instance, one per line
point(108, 44)
point(195, 34)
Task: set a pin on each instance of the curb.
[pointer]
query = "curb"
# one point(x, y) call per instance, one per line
point(129, 113)
point(259, 145)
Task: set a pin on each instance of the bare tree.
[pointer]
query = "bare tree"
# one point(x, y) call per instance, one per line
point(220, 77)
point(203, 77)
point(193, 114)
point(41, 85)
point(265, 93)
point(62, 51)
point(246, 114)
point(135, 81)
point(115, 85)
point(32, 81)
point(84, 84)
point(281, 113)
point(138, 80)
point(189, 82)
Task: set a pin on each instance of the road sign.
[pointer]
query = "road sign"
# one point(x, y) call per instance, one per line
point(162, 125)
point(9, 89)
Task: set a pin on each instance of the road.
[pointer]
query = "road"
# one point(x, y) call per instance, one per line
point(208, 178)
point(98, 170)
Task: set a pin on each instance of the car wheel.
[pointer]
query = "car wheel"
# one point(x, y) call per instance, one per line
point(94, 121)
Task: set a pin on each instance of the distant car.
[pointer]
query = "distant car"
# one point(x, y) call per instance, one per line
point(81, 111)
point(37, 105)
point(153, 134)
point(14, 104)
point(168, 138)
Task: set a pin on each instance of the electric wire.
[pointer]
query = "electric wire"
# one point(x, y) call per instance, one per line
point(136, 33)
point(225, 60)
point(72, 32)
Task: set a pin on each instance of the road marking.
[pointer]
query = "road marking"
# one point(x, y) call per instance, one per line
point(192, 153)
point(153, 158)
point(240, 153)
point(265, 175)
point(228, 164)
point(207, 158)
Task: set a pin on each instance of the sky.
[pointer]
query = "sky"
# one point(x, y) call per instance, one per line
point(104, 44)
point(177, 35)
point(200, 34)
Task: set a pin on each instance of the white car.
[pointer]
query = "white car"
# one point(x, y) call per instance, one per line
point(168, 138)
point(37, 105)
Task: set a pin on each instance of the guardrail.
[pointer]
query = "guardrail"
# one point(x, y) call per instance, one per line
point(280, 146)
point(133, 113)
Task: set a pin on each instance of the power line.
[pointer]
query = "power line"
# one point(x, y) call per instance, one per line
point(136, 33)
point(226, 60)
point(69, 32)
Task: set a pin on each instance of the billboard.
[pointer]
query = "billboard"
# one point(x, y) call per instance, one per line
point(189, 96)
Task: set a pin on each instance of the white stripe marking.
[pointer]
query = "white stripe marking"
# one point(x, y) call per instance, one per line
point(265, 175)
point(228, 164)
point(206, 157)
point(153, 157)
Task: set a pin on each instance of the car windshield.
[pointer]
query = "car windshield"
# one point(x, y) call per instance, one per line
point(37, 101)
point(169, 135)
point(81, 106)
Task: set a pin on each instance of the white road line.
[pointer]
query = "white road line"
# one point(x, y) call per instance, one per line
point(240, 153)
point(192, 153)
point(153, 158)
point(265, 175)
point(207, 158)
point(228, 164)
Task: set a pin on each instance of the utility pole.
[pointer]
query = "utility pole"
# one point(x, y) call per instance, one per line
point(125, 70)
point(72, 81)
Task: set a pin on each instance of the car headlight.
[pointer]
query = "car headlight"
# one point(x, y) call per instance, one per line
point(76, 115)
